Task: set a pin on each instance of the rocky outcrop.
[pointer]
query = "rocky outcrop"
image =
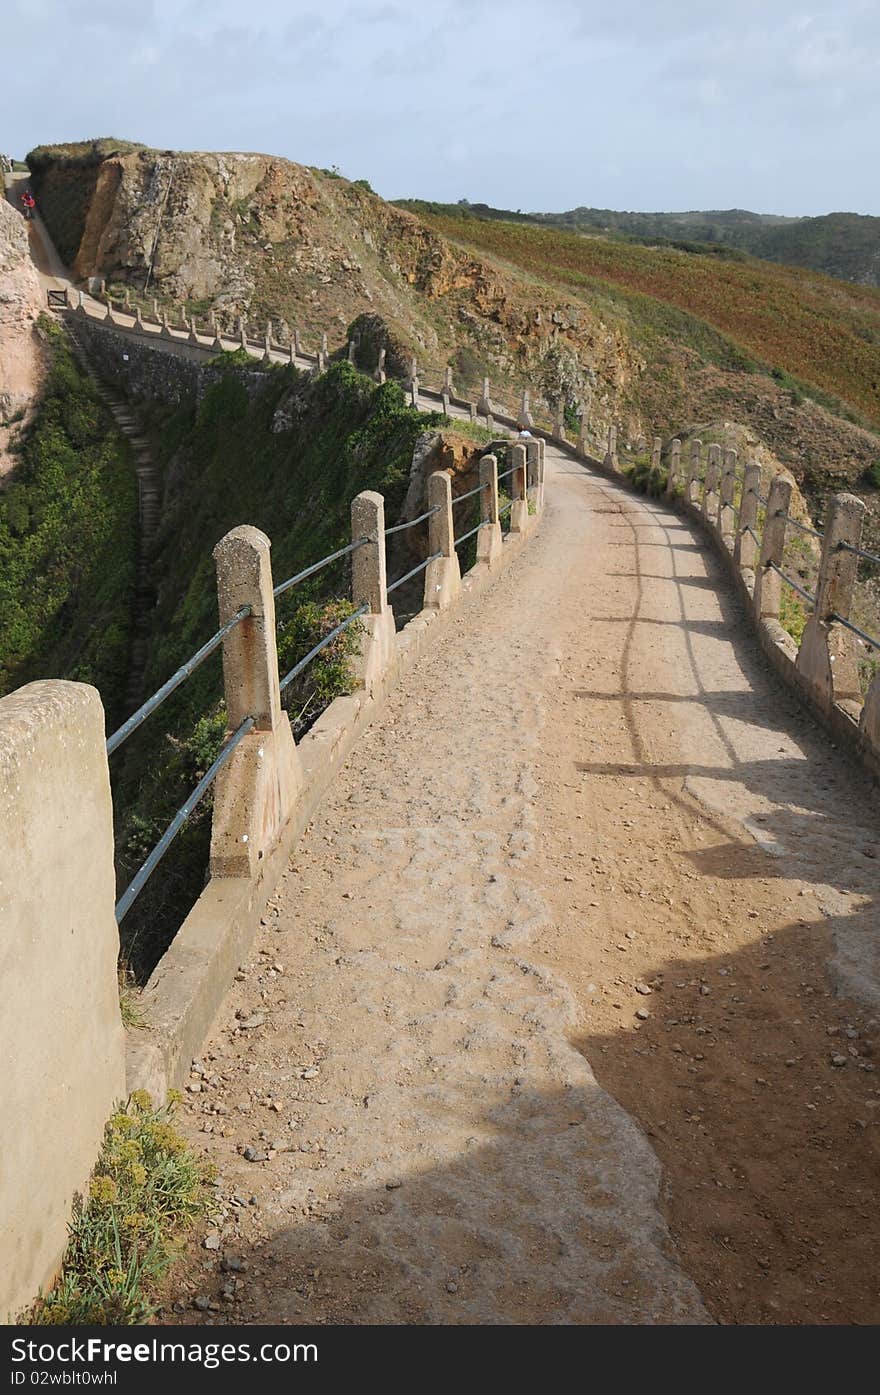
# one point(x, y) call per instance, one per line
point(266, 239)
point(20, 303)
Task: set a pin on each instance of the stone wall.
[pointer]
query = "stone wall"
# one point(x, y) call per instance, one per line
point(61, 1036)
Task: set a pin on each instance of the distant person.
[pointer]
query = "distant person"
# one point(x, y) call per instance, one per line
point(525, 434)
point(28, 204)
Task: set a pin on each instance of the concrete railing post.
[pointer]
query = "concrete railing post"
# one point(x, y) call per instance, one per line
point(559, 420)
point(443, 576)
point(611, 461)
point(257, 788)
point(525, 418)
point(139, 319)
point(519, 512)
point(369, 584)
point(380, 374)
point(581, 447)
point(61, 1038)
point(242, 332)
point(484, 402)
point(726, 509)
point(674, 473)
point(692, 483)
point(535, 472)
point(710, 488)
point(412, 379)
point(352, 350)
point(767, 581)
point(448, 389)
point(828, 656)
point(297, 344)
point(656, 453)
point(444, 401)
point(489, 539)
point(193, 331)
point(745, 549)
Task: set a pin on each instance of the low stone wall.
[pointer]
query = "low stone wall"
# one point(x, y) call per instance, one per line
point(61, 1037)
point(142, 368)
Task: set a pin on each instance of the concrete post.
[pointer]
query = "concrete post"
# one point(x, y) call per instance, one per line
point(193, 331)
point(256, 789)
point(109, 315)
point(292, 352)
point(442, 577)
point(61, 1038)
point(656, 451)
point(525, 418)
point(444, 401)
point(369, 587)
point(489, 539)
point(582, 443)
point(81, 303)
point(380, 374)
point(352, 346)
point(869, 722)
point(535, 471)
point(484, 405)
point(472, 412)
point(726, 509)
point(559, 420)
point(767, 581)
point(242, 332)
point(324, 348)
point(165, 331)
point(611, 461)
point(745, 549)
point(519, 513)
point(413, 376)
point(414, 394)
point(674, 474)
point(155, 311)
point(138, 319)
point(448, 389)
point(710, 489)
point(828, 656)
point(126, 297)
point(297, 344)
point(692, 484)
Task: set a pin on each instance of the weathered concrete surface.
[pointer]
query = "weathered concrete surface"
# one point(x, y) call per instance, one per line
point(61, 1038)
point(20, 303)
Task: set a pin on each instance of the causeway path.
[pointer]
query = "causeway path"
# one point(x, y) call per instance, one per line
point(464, 1106)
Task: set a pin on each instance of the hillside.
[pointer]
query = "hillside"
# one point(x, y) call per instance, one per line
point(845, 245)
point(652, 337)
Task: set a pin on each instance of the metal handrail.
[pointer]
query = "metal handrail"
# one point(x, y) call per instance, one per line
point(859, 552)
point(420, 568)
point(411, 523)
point(509, 505)
point(135, 720)
point(150, 864)
point(793, 584)
point(464, 537)
point(848, 625)
point(511, 471)
point(316, 566)
point(470, 494)
point(749, 529)
point(303, 663)
point(760, 498)
point(802, 527)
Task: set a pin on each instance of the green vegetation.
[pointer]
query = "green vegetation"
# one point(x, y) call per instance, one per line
point(224, 465)
point(68, 529)
point(146, 1191)
point(741, 314)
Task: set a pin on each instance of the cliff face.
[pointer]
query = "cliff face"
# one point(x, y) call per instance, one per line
point(266, 238)
point(20, 303)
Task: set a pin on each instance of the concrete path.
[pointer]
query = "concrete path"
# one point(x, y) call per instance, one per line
point(538, 1025)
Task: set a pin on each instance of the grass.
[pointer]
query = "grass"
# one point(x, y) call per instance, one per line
point(146, 1191)
point(68, 537)
point(738, 313)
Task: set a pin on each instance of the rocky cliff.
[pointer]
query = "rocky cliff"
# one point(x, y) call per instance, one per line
point(20, 301)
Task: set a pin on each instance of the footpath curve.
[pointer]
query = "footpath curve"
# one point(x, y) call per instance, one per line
point(439, 1092)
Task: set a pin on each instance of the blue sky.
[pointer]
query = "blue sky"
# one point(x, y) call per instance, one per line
point(632, 104)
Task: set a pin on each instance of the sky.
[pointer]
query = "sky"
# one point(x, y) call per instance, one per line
point(532, 104)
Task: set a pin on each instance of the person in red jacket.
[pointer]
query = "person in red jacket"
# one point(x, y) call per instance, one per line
point(29, 203)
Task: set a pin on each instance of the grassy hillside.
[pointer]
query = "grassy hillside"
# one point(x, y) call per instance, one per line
point(68, 523)
point(225, 465)
point(808, 325)
point(845, 245)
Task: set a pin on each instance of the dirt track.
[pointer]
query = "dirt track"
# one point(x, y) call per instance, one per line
point(589, 783)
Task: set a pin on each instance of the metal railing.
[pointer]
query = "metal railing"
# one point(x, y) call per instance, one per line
point(848, 625)
point(411, 522)
point(859, 552)
point(414, 572)
point(801, 527)
point(328, 639)
point(464, 537)
point(807, 595)
point(283, 586)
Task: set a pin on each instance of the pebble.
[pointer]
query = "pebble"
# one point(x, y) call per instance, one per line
point(232, 1264)
point(642, 1014)
point(838, 1060)
point(212, 1241)
point(255, 1154)
point(643, 989)
point(203, 1303)
point(256, 1019)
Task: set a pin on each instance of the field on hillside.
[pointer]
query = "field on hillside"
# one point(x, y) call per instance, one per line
point(825, 333)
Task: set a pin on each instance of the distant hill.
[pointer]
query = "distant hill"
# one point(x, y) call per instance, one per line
point(845, 245)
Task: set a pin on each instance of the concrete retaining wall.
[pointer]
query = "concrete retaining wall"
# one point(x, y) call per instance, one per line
point(61, 1037)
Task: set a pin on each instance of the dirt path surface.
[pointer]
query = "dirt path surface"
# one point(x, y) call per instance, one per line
point(543, 1023)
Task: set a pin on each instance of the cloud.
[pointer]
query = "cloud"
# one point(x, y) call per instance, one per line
point(680, 103)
